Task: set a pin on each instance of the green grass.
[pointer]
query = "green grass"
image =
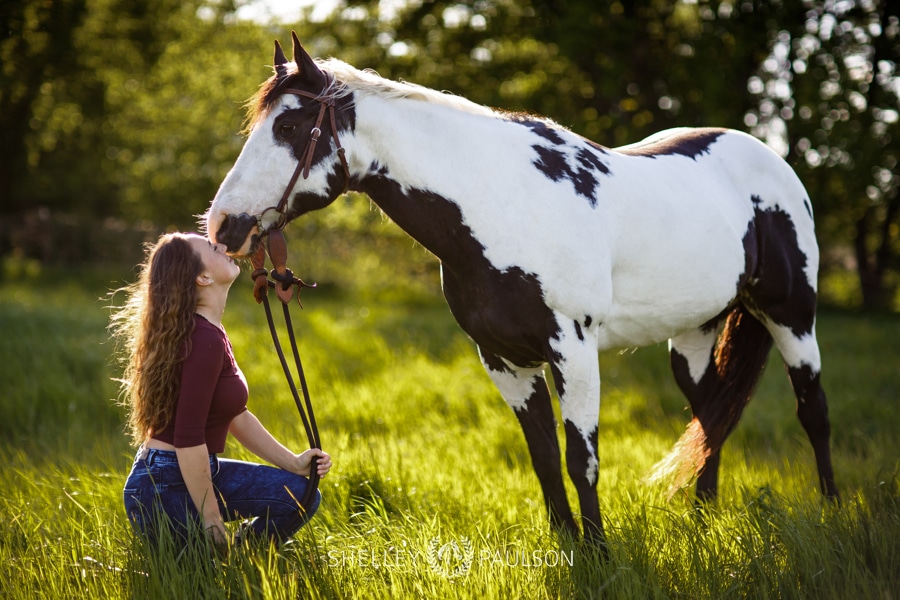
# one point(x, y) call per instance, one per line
point(427, 455)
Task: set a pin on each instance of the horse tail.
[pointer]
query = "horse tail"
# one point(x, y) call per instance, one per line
point(740, 357)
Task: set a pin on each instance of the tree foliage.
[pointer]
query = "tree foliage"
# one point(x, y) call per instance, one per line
point(132, 108)
point(139, 117)
point(831, 87)
point(36, 47)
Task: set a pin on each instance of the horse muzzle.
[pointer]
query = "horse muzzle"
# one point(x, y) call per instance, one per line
point(238, 232)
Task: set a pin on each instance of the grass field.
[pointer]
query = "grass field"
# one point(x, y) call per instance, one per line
point(432, 494)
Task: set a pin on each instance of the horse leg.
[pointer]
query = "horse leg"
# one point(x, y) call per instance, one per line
point(783, 296)
point(692, 356)
point(800, 352)
point(577, 378)
point(526, 392)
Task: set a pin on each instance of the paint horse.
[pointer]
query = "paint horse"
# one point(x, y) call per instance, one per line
point(553, 247)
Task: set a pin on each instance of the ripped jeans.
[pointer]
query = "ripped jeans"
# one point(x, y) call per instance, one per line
point(267, 496)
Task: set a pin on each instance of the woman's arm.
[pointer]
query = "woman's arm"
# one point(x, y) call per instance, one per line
point(194, 465)
point(247, 429)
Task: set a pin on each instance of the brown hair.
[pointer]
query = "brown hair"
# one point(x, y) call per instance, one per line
point(155, 325)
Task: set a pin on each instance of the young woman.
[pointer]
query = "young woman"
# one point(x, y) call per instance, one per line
point(185, 393)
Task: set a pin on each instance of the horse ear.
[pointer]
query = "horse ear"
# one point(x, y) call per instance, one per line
point(306, 66)
point(280, 61)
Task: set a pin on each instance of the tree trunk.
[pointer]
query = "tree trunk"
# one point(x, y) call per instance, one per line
point(872, 266)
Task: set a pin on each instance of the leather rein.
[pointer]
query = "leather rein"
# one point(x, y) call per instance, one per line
point(285, 281)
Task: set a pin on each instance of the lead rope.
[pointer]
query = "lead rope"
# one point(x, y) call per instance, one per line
point(284, 289)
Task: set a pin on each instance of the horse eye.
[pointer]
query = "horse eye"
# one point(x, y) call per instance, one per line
point(286, 128)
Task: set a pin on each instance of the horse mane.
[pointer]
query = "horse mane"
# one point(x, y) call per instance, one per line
point(350, 80)
point(369, 83)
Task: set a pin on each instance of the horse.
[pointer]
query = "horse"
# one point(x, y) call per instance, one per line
point(553, 247)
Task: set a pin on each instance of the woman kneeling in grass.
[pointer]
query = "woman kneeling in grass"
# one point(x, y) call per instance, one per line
point(185, 393)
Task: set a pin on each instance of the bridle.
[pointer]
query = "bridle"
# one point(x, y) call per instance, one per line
point(284, 279)
point(326, 104)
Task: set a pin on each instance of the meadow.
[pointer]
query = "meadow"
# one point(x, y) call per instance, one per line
point(432, 494)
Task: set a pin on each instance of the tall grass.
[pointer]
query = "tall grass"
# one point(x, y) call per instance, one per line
point(432, 494)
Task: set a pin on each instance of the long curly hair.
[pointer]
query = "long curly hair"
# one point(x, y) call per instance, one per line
point(154, 326)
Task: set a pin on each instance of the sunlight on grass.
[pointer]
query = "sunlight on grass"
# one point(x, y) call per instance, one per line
point(432, 493)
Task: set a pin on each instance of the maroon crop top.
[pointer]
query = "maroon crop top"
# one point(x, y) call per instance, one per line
point(213, 392)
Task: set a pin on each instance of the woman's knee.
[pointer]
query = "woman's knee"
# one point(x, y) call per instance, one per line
point(294, 501)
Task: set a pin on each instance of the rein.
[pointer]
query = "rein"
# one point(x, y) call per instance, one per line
point(285, 281)
point(284, 288)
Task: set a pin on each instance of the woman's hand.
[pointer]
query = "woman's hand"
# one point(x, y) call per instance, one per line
point(247, 429)
point(215, 529)
point(193, 462)
point(304, 460)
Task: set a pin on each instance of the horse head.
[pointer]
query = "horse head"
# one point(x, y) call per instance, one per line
point(296, 119)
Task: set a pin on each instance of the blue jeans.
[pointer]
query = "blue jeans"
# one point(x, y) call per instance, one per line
point(267, 496)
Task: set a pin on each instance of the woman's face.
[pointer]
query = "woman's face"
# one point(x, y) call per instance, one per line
point(217, 265)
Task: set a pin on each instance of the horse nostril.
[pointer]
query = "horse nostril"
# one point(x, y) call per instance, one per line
point(224, 224)
point(234, 230)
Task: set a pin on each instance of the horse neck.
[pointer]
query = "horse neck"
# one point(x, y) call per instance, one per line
point(409, 159)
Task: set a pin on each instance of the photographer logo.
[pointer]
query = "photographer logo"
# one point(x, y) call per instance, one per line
point(451, 560)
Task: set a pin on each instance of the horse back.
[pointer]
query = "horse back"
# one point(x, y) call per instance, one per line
point(682, 222)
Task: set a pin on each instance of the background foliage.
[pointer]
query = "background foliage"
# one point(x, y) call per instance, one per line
point(123, 115)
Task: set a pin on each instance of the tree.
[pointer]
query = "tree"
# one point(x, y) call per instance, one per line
point(121, 107)
point(36, 44)
point(177, 127)
point(830, 87)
